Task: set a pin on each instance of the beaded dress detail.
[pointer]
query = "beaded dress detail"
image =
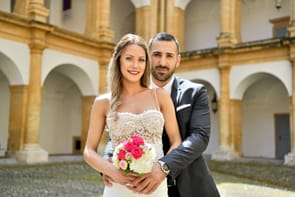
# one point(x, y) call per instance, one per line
point(149, 125)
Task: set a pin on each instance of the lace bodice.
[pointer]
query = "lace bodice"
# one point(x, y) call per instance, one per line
point(148, 125)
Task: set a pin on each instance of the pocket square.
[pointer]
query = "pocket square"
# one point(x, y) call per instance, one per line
point(182, 107)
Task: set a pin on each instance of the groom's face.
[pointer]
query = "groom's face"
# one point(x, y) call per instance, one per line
point(164, 61)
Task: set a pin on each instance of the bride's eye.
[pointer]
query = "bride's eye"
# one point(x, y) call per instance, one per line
point(142, 59)
point(128, 58)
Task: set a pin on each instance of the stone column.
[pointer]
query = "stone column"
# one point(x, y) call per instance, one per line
point(290, 157)
point(147, 18)
point(98, 20)
point(31, 9)
point(236, 126)
point(98, 27)
point(291, 27)
point(87, 102)
point(230, 33)
point(17, 116)
point(103, 82)
point(174, 17)
point(32, 152)
point(225, 151)
point(292, 12)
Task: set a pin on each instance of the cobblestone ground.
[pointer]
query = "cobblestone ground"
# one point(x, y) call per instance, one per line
point(77, 179)
point(59, 180)
point(231, 186)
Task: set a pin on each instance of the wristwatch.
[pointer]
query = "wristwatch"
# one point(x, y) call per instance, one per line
point(164, 167)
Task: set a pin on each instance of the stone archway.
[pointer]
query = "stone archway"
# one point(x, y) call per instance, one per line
point(265, 97)
point(61, 111)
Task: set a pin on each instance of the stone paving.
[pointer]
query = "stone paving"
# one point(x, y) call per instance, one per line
point(70, 176)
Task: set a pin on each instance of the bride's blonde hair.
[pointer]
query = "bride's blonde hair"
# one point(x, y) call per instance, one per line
point(114, 71)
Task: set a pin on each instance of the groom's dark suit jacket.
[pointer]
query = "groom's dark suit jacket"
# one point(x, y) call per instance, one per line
point(187, 165)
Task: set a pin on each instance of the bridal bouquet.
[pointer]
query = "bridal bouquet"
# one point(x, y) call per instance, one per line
point(134, 155)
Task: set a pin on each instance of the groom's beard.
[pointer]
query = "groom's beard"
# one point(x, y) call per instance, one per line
point(159, 75)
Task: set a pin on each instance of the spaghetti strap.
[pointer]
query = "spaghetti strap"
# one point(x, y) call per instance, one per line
point(156, 99)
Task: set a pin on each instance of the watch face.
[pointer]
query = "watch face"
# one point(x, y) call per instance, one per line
point(165, 167)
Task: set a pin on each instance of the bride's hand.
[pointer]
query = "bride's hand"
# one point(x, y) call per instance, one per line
point(107, 180)
point(149, 182)
point(119, 176)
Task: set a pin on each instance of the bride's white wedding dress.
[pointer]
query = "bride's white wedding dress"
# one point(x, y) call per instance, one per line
point(148, 125)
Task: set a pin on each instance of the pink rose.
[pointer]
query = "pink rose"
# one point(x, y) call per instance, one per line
point(123, 164)
point(137, 140)
point(128, 146)
point(121, 154)
point(136, 152)
point(128, 156)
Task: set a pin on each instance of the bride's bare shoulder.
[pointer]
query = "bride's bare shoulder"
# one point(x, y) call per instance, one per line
point(103, 99)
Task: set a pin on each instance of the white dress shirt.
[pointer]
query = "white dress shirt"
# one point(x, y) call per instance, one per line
point(167, 87)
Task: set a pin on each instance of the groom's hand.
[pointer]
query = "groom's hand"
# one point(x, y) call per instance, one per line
point(149, 182)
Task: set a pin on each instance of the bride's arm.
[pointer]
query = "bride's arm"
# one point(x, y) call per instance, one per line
point(96, 129)
point(171, 125)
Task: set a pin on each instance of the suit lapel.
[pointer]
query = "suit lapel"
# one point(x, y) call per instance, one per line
point(174, 91)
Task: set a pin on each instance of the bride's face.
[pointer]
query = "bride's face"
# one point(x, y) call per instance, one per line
point(132, 63)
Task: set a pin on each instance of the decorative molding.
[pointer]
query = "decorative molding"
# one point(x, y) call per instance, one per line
point(182, 3)
point(140, 3)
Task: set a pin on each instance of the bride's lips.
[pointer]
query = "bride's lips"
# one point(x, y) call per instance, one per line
point(133, 72)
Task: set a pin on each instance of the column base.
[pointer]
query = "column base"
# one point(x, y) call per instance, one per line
point(224, 154)
point(2, 153)
point(290, 159)
point(32, 153)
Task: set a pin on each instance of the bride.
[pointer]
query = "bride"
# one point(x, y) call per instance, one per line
point(131, 108)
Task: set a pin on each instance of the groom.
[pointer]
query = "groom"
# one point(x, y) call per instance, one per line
point(185, 167)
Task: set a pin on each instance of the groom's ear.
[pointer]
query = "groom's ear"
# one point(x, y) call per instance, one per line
point(178, 60)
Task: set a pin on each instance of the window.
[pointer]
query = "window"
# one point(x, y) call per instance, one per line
point(76, 145)
point(280, 27)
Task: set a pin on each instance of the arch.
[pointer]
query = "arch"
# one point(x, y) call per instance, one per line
point(211, 76)
point(244, 76)
point(125, 22)
point(140, 3)
point(262, 100)
point(15, 61)
point(4, 112)
point(61, 110)
point(83, 72)
point(182, 3)
point(200, 32)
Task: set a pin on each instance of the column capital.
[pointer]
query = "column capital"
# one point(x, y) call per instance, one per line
point(291, 28)
point(224, 62)
point(32, 9)
point(98, 20)
point(37, 11)
point(226, 40)
point(105, 34)
point(292, 53)
point(38, 38)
